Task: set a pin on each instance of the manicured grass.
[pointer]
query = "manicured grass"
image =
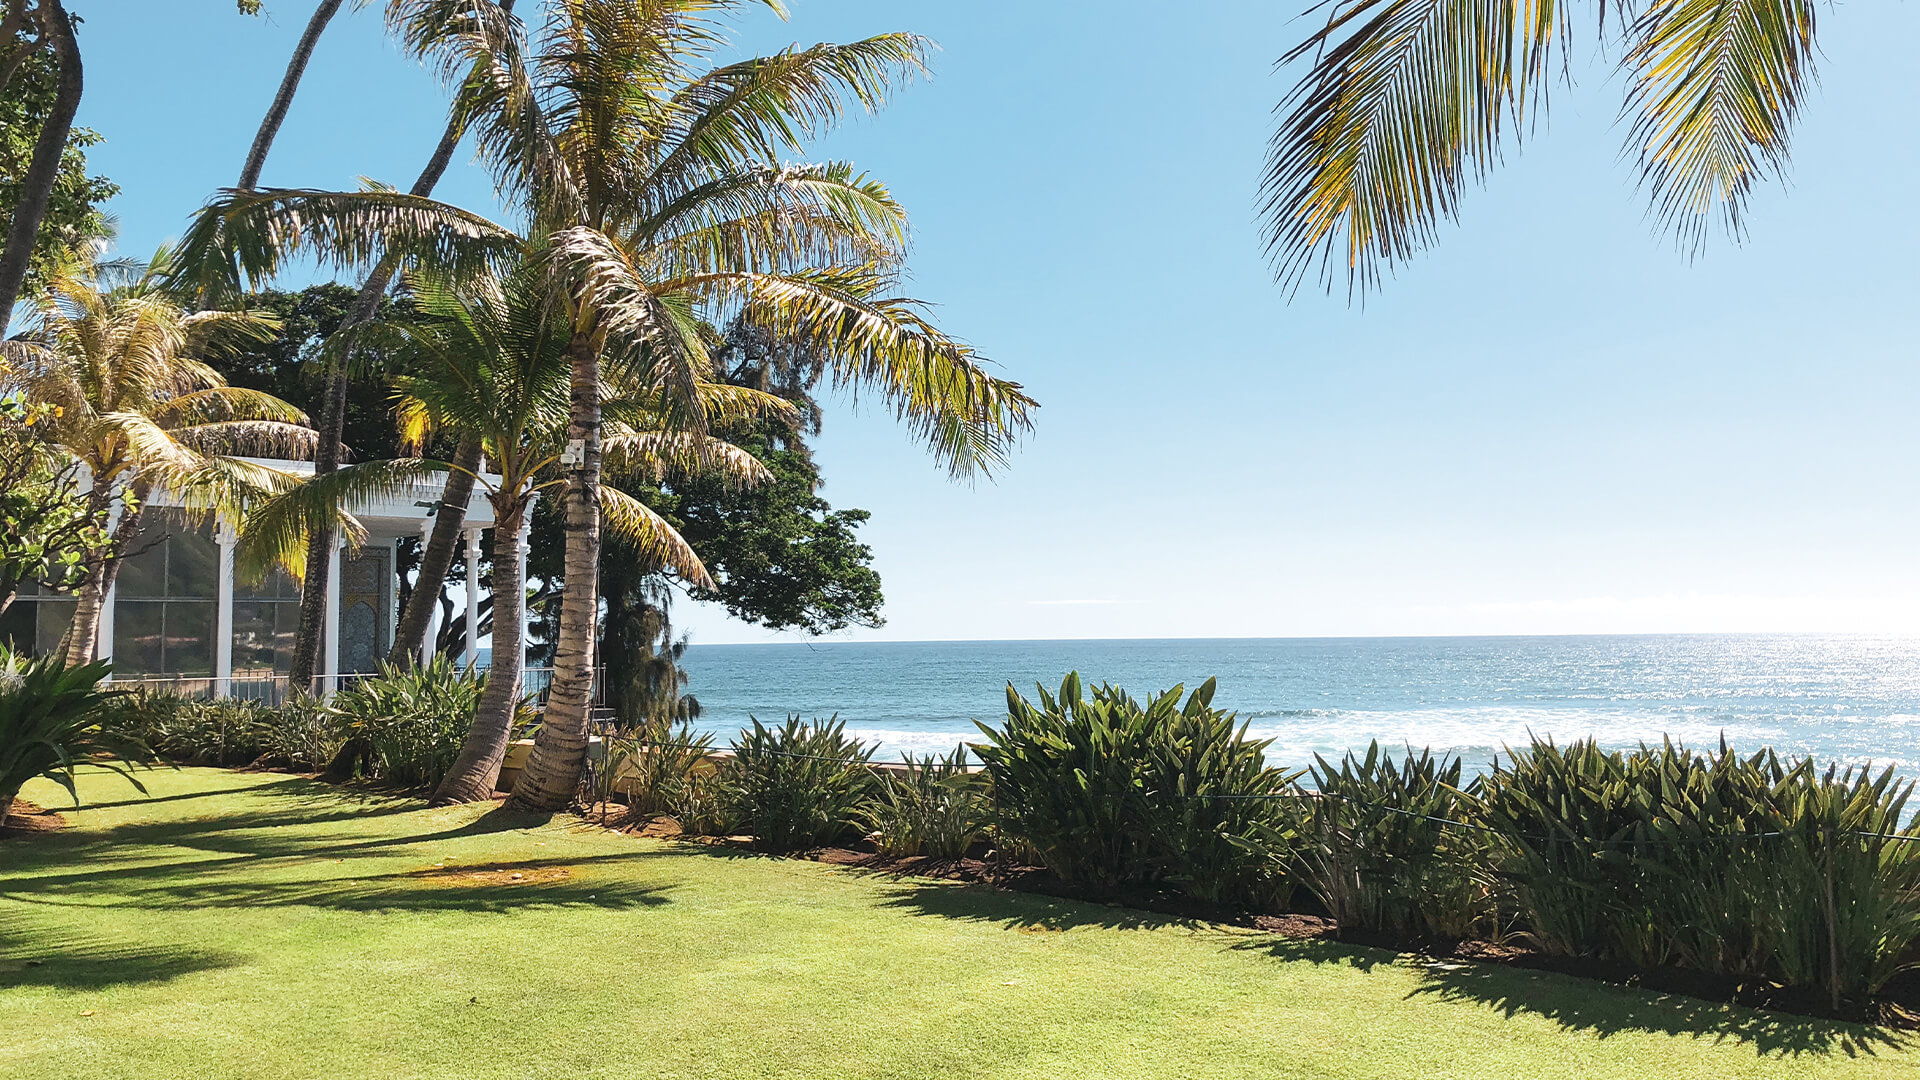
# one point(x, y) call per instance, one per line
point(264, 926)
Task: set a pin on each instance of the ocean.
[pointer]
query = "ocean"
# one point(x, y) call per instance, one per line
point(1847, 699)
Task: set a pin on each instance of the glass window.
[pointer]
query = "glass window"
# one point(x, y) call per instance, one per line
point(139, 637)
point(50, 624)
point(16, 627)
point(193, 563)
point(143, 573)
point(189, 639)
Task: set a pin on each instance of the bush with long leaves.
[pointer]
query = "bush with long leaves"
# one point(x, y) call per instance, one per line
point(797, 786)
point(409, 722)
point(1751, 867)
point(1375, 847)
point(50, 722)
point(931, 805)
point(1111, 793)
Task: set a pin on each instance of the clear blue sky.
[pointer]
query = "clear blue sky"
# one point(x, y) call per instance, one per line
point(1549, 424)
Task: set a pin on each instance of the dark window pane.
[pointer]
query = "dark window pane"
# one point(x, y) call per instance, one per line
point(189, 645)
point(252, 636)
point(143, 574)
point(50, 623)
point(277, 586)
point(16, 627)
point(286, 625)
point(139, 638)
point(193, 563)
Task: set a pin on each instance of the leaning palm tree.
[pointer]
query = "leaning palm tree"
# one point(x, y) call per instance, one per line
point(1405, 102)
point(661, 186)
point(121, 364)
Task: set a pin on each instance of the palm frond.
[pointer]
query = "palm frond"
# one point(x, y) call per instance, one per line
point(243, 238)
point(657, 455)
point(633, 523)
point(274, 531)
point(1716, 86)
point(1405, 101)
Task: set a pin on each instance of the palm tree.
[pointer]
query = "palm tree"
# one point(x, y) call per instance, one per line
point(669, 212)
point(323, 13)
point(1406, 101)
point(43, 168)
point(120, 363)
point(487, 363)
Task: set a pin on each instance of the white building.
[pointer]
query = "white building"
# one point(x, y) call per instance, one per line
point(178, 614)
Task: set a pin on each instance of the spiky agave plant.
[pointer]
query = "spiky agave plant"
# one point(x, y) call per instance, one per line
point(50, 723)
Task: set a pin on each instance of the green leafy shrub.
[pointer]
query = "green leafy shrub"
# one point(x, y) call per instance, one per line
point(1742, 866)
point(701, 807)
point(188, 730)
point(301, 733)
point(409, 722)
point(50, 720)
point(656, 765)
point(929, 806)
point(1111, 793)
point(1374, 846)
point(796, 786)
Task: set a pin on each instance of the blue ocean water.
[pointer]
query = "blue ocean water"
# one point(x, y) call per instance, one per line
point(1839, 698)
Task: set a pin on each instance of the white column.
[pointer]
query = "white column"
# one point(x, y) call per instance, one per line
point(330, 664)
point(520, 551)
point(473, 598)
point(223, 616)
point(432, 602)
point(103, 640)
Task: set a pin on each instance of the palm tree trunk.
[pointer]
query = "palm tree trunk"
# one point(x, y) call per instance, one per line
point(83, 634)
point(477, 768)
point(283, 99)
point(552, 776)
point(411, 633)
point(333, 421)
point(43, 169)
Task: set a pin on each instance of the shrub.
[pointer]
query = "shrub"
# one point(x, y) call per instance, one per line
point(189, 731)
point(1111, 793)
point(651, 767)
point(301, 734)
point(701, 807)
point(796, 786)
point(50, 720)
point(409, 722)
point(929, 806)
point(1374, 846)
point(1742, 866)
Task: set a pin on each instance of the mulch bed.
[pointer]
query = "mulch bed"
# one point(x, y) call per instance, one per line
point(26, 819)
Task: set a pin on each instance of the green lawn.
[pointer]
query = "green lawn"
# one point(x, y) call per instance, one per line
point(263, 926)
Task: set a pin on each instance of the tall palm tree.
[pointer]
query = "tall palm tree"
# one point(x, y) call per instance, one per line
point(121, 363)
point(660, 184)
point(323, 13)
point(487, 363)
point(1406, 101)
point(43, 168)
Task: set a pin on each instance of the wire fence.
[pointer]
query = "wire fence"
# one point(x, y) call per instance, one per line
point(271, 689)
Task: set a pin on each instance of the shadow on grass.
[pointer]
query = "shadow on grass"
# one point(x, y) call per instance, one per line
point(1026, 912)
point(40, 958)
point(1604, 1009)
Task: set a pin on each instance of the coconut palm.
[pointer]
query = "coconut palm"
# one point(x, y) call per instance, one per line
point(487, 364)
point(323, 13)
point(43, 169)
point(120, 362)
point(660, 184)
point(1406, 101)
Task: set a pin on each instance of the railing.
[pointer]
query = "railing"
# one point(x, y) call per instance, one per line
point(271, 689)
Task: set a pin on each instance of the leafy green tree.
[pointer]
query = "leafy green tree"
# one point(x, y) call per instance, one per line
point(48, 534)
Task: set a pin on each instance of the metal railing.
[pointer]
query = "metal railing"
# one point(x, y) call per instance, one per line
point(271, 689)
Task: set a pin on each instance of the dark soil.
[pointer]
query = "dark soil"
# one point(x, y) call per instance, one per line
point(25, 819)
